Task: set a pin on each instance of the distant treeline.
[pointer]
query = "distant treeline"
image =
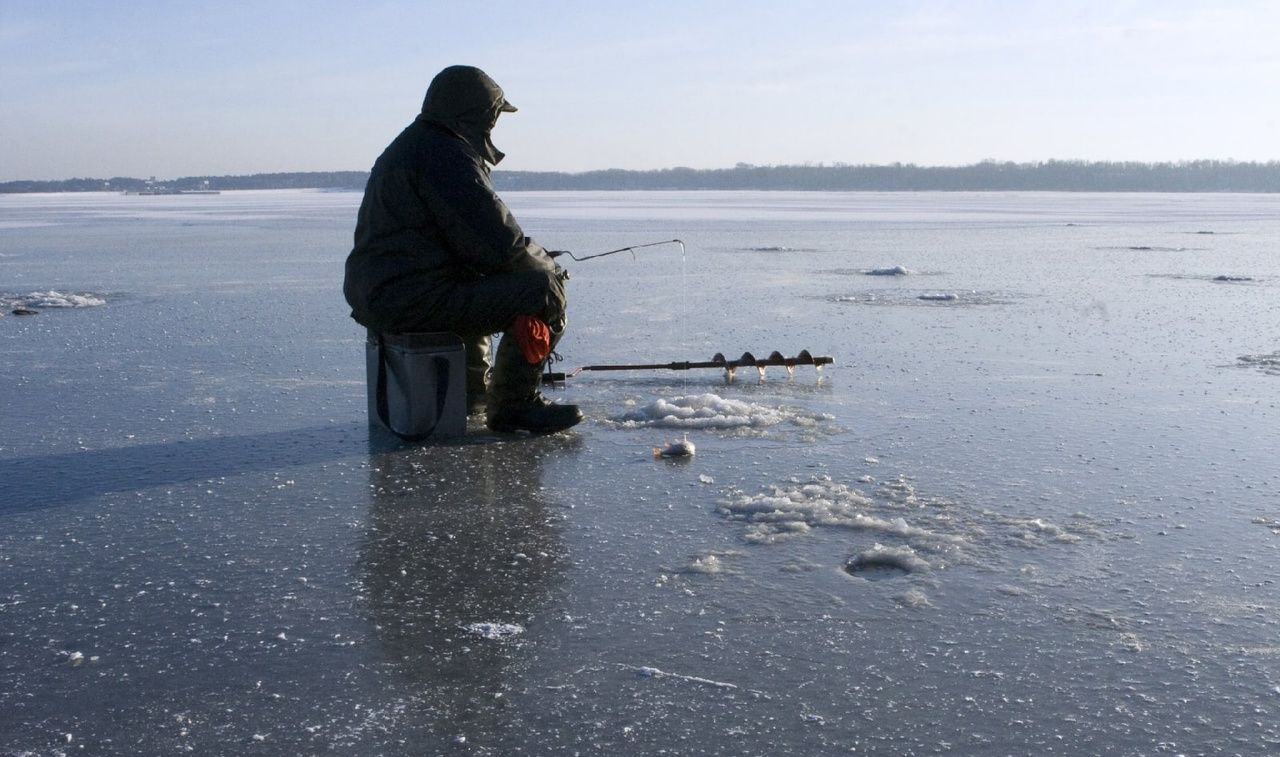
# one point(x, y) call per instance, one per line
point(990, 175)
point(302, 180)
point(1053, 175)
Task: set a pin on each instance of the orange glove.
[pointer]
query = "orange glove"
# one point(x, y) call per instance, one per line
point(534, 337)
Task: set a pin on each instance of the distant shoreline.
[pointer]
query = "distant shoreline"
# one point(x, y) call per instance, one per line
point(987, 176)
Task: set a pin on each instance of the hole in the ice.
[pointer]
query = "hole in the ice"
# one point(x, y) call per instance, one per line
point(881, 562)
point(873, 571)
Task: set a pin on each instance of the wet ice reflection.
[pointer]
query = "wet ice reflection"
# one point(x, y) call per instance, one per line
point(459, 556)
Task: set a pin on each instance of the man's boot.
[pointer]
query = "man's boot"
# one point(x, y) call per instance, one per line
point(477, 352)
point(515, 404)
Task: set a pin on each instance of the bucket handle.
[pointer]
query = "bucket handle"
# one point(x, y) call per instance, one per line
point(442, 367)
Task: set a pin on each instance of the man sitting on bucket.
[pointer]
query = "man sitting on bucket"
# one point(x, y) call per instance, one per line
point(437, 250)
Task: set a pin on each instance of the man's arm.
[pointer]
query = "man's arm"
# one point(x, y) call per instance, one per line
point(477, 226)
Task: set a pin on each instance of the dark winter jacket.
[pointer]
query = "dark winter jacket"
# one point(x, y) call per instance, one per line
point(430, 219)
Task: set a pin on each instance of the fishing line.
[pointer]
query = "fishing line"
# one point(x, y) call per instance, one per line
point(684, 285)
point(684, 317)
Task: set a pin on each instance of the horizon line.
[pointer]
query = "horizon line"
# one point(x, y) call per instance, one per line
point(740, 166)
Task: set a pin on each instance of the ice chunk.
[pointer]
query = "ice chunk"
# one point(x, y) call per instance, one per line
point(711, 411)
point(913, 598)
point(709, 565)
point(784, 512)
point(679, 448)
point(651, 672)
point(53, 299)
point(494, 631)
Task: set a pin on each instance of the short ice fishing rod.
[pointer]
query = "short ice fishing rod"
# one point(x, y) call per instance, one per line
point(631, 249)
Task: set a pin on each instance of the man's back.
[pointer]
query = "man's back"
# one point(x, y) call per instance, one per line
point(429, 218)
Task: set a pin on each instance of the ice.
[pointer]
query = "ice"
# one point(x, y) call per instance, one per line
point(902, 558)
point(928, 298)
point(789, 511)
point(896, 270)
point(51, 299)
point(1147, 248)
point(651, 672)
point(707, 565)
point(1038, 527)
point(945, 530)
point(1268, 363)
point(711, 411)
point(1221, 278)
point(913, 598)
point(680, 448)
point(494, 631)
point(1026, 454)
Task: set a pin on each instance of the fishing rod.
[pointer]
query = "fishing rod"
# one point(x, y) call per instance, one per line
point(632, 249)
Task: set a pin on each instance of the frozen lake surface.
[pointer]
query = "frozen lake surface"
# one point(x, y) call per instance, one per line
point(1032, 508)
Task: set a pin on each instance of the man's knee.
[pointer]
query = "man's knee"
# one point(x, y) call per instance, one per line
point(558, 298)
point(550, 294)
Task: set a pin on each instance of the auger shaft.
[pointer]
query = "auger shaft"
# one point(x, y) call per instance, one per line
point(746, 361)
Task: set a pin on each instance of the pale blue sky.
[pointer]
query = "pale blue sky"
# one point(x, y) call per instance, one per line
point(144, 87)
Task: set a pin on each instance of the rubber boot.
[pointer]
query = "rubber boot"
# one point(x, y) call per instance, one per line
point(515, 404)
point(477, 351)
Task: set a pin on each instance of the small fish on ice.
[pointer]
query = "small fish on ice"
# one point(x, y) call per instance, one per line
point(681, 448)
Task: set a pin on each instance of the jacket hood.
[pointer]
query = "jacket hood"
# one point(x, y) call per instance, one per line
point(467, 102)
